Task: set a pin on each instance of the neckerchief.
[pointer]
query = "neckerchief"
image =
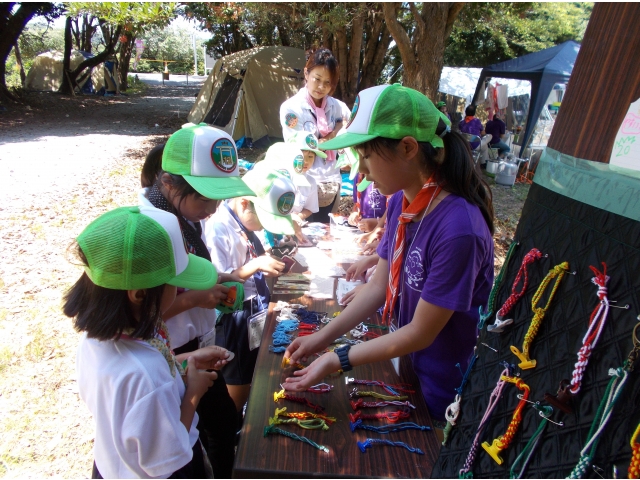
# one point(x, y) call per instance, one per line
point(468, 118)
point(255, 249)
point(421, 203)
point(321, 122)
point(161, 342)
point(191, 234)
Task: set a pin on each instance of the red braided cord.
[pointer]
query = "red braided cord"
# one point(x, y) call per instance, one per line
point(389, 416)
point(528, 259)
point(307, 416)
point(505, 439)
point(398, 387)
point(304, 401)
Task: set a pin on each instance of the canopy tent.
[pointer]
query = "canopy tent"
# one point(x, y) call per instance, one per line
point(243, 93)
point(461, 82)
point(543, 69)
point(46, 72)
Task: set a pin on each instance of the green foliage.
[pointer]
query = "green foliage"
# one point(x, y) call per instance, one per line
point(487, 33)
point(173, 44)
point(133, 16)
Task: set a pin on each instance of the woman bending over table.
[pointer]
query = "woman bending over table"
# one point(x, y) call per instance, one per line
point(436, 255)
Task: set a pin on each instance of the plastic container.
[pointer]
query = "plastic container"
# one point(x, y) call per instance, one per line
point(506, 173)
point(492, 166)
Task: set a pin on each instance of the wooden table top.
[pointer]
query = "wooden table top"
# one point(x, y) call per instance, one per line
point(280, 456)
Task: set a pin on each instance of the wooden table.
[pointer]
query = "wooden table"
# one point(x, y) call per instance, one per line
point(280, 456)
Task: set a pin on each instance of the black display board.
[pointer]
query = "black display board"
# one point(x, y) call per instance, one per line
point(571, 231)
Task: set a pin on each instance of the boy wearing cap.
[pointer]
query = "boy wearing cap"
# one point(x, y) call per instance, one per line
point(236, 249)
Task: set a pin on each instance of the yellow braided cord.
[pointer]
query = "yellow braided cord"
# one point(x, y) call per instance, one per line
point(381, 396)
point(559, 272)
point(634, 466)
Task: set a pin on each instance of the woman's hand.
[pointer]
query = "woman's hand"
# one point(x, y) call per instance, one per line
point(303, 347)
point(212, 297)
point(313, 374)
point(350, 295)
point(208, 358)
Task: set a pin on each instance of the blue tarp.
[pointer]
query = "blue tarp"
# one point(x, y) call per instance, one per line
point(347, 186)
point(543, 69)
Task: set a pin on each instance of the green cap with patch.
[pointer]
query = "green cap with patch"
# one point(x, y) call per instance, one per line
point(207, 159)
point(391, 111)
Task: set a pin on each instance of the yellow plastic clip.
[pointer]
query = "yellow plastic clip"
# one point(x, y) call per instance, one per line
point(285, 362)
point(273, 421)
point(525, 362)
point(280, 411)
point(494, 450)
point(278, 395)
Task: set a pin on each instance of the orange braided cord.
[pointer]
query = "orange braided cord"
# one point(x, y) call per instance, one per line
point(634, 466)
point(505, 440)
point(557, 271)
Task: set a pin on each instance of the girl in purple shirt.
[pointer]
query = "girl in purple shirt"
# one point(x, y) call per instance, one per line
point(436, 265)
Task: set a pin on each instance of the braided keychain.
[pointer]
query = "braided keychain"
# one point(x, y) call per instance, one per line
point(356, 393)
point(362, 404)
point(558, 272)
point(491, 304)
point(309, 424)
point(320, 388)
point(282, 412)
point(503, 441)
point(562, 400)
point(369, 442)
point(500, 322)
point(389, 416)
point(453, 410)
point(634, 466)
point(272, 429)
point(392, 389)
point(619, 377)
point(465, 471)
point(286, 396)
point(399, 427)
point(525, 455)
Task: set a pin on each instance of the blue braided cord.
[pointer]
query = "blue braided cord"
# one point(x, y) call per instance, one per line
point(368, 443)
point(277, 343)
point(465, 377)
point(398, 427)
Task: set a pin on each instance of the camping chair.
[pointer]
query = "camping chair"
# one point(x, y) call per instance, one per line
point(474, 153)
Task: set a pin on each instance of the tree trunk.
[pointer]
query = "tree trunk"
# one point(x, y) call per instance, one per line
point(285, 41)
point(352, 69)
point(11, 26)
point(375, 51)
point(125, 60)
point(16, 50)
point(66, 87)
point(423, 55)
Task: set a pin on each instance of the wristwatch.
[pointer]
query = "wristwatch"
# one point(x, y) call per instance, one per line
point(343, 355)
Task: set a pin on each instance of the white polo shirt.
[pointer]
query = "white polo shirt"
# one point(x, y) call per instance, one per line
point(227, 246)
point(192, 323)
point(297, 115)
point(135, 402)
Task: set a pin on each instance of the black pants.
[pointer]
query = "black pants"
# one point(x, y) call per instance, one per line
point(193, 469)
point(218, 422)
point(322, 215)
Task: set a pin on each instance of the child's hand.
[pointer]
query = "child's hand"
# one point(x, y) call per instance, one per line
point(350, 295)
point(198, 381)
point(367, 224)
point(212, 297)
point(270, 266)
point(354, 218)
point(229, 277)
point(211, 357)
point(371, 247)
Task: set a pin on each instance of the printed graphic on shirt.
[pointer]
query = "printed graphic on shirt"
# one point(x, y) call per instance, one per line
point(311, 141)
point(298, 162)
point(375, 199)
point(223, 154)
point(356, 104)
point(290, 120)
point(414, 270)
point(285, 203)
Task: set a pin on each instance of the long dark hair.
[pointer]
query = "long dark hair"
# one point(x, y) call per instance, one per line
point(323, 57)
point(454, 168)
point(152, 165)
point(105, 313)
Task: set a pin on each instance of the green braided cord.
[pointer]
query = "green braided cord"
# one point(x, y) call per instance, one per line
point(271, 429)
point(600, 420)
point(469, 474)
point(491, 304)
point(531, 445)
point(309, 424)
point(447, 432)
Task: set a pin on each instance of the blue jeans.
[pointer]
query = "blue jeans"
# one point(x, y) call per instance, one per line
point(501, 146)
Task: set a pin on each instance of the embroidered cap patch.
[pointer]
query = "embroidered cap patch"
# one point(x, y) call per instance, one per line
point(285, 203)
point(290, 120)
point(298, 163)
point(223, 155)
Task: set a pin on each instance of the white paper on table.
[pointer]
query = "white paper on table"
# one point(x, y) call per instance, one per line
point(321, 287)
point(345, 287)
point(319, 263)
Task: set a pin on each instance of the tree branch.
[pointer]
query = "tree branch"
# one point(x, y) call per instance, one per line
point(454, 10)
point(399, 35)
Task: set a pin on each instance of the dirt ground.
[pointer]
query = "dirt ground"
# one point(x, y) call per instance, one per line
point(64, 162)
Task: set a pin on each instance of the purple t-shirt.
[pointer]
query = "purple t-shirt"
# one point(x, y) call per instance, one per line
point(473, 126)
point(449, 263)
point(495, 127)
point(372, 203)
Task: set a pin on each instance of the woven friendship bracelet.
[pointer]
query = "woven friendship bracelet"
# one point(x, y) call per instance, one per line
point(619, 377)
point(282, 412)
point(558, 272)
point(392, 389)
point(465, 471)
point(500, 322)
point(453, 410)
point(503, 441)
point(272, 429)
point(562, 399)
point(399, 427)
point(369, 442)
point(356, 393)
point(392, 417)
point(526, 453)
point(309, 424)
point(281, 395)
point(362, 404)
point(491, 304)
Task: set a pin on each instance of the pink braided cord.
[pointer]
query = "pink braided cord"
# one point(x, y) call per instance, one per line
point(493, 401)
point(533, 255)
point(596, 324)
